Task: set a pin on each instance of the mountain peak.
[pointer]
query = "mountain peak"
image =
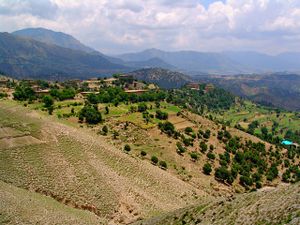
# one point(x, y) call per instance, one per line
point(53, 37)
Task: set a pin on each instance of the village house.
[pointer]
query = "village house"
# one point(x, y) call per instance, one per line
point(193, 86)
point(138, 92)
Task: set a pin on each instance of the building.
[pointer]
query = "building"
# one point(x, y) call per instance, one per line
point(194, 86)
point(110, 81)
point(138, 92)
point(42, 92)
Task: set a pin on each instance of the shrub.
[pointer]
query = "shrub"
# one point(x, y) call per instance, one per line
point(161, 115)
point(104, 130)
point(207, 169)
point(203, 147)
point(224, 175)
point(167, 127)
point(142, 107)
point(211, 155)
point(188, 130)
point(163, 164)
point(180, 148)
point(127, 148)
point(194, 156)
point(143, 153)
point(48, 101)
point(154, 159)
point(91, 114)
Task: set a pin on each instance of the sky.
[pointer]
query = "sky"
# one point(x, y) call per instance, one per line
point(118, 26)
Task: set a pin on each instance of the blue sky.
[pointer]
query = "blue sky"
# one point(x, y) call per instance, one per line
point(270, 26)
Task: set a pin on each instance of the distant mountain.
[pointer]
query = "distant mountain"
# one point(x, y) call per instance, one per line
point(196, 63)
point(150, 63)
point(279, 89)
point(53, 37)
point(27, 58)
point(162, 77)
point(68, 41)
point(190, 61)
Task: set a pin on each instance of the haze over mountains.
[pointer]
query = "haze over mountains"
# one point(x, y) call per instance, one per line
point(51, 55)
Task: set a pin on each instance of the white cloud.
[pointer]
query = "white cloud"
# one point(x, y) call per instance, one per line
point(123, 25)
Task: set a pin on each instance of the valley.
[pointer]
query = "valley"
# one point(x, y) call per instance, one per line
point(147, 155)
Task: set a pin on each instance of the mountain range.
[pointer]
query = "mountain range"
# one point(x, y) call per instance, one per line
point(199, 63)
point(53, 55)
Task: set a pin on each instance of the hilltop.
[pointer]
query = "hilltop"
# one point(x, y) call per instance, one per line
point(28, 58)
point(54, 38)
point(279, 90)
point(162, 77)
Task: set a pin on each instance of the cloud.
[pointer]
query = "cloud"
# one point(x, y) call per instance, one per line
point(128, 25)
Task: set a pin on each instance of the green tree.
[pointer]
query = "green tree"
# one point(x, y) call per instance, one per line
point(154, 159)
point(48, 101)
point(207, 169)
point(127, 148)
point(163, 164)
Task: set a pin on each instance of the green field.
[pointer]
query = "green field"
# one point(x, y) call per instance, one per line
point(249, 112)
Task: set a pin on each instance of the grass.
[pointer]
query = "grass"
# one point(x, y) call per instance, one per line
point(265, 116)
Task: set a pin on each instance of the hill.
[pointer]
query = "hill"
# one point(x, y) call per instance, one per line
point(196, 63)
point(278, 90)
point(189, 61)
point(54, 38)
point(28, 58)
point(162, 77)
point(270, 206)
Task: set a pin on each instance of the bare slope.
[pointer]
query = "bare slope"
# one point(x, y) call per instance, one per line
point(268, 206)
point(79, 169)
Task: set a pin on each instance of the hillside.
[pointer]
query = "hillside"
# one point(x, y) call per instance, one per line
point(54, 38)
point(162, 77)
point(269, 206)
point(279, 90)
point(27, 58)
point(127, 157)
point(97, 177)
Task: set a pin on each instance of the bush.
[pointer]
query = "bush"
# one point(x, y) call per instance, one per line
point(161, 115)
point(154, 159)
point(246, 181)
point(142, 107)
point(91, 114)
point(211, 155)
point(207, 169)
point(163, 164)
point(167, 127)
point(104, 130)
point(188, 130)
point(48, 101)
point(127, 148)
point(194, 156)
point(203, 147)
point(143, 153)
point(180, 148)
point(224, 175)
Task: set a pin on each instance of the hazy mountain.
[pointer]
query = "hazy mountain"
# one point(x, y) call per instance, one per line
point(24, 57)
point(53, 37)
point(150, 63)
point(279, 89)
point(190, 61)
point(221, 63)
point(162, 77)
point(68, 41)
